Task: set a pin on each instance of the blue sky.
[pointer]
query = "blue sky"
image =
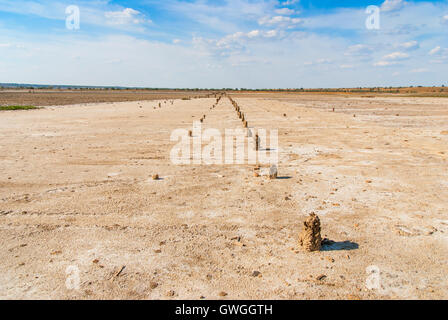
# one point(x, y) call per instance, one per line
point(225, 43)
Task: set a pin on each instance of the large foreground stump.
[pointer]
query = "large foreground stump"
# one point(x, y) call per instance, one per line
point(310, 238)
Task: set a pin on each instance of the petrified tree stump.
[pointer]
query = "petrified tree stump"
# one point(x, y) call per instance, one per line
point(310, 238)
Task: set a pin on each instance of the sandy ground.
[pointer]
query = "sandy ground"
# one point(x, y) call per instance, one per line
point(77, 199)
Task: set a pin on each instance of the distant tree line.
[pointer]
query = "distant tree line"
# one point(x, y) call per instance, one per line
point(310, 90)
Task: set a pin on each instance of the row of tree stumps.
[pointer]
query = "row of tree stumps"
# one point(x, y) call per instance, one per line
point(310, 238)
point(273, 171)
point(245, 123)
point(202, 119)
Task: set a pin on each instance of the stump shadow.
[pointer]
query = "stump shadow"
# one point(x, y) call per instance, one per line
point(329, 245)
point(283, 178)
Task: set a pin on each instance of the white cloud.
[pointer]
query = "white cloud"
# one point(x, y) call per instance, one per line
point(440, 55)
point(384, 63)
point(391, 59)
point(242, 36)
point(236, 43)
point(410, 45)
point(281, 21)
point(318, 62)
point(392, 5)
point(253, 34)
point(285, 11)
point(290, 2)
point(434, 51)
point(125, 17)
point(396, 56)
point(359, 50)
point(271, 34)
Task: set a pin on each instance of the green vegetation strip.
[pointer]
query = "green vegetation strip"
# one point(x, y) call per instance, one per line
point(5, 108)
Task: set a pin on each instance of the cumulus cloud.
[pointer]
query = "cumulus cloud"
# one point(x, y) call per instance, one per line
point(280, 21)
point(392, 5)
point(125, 17)
point(318, 62)
point(290, 2)
point(410, 45)
point(440, 55)
point(235, 43)
point(384, 63)
point(445, 19)
point(392, 59)
point(359, 50)
point(285, 11)
point(242, 36)
point(396, 56)
point(434, 51)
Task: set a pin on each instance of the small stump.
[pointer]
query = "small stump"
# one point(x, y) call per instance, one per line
point(310, 238)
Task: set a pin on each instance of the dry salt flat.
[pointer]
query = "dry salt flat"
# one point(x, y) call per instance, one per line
point(81, 216)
